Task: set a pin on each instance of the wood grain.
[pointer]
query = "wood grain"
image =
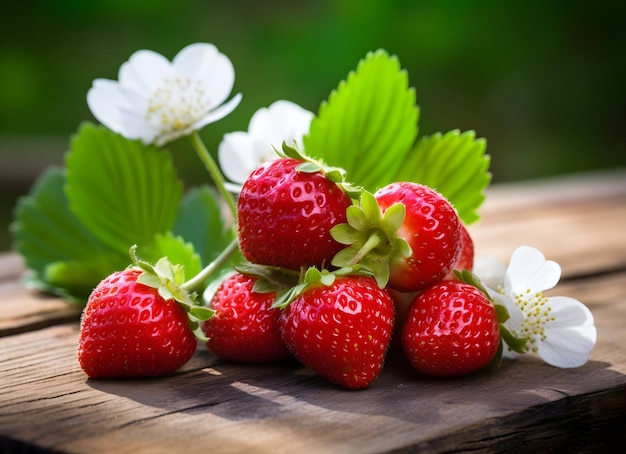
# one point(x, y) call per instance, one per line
point(47, 402)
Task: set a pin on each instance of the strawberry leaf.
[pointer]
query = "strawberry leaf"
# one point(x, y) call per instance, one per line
point(123, 192)
point(368, 123)
point(454, 164)
point(201, 222)
point(176, 250)
point(63, 256)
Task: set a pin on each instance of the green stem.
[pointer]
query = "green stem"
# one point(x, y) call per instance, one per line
point(373, 241)
point(216, 264)
point(214, 171)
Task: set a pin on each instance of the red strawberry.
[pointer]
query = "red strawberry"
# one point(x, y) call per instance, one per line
point(245, 326)
point(341, 330)
point(466, 259)
point(432, 229)
point(451, 330)
point(285, 211)
point(128, 330)
point(406, 234)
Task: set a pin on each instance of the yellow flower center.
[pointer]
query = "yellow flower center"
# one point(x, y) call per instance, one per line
point(537, 313)
point(177, 104)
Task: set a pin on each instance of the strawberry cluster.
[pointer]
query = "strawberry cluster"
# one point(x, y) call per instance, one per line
point(331, 274)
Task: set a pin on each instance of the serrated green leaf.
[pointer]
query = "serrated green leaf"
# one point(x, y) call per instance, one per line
point(75, 280)
point(454, 164)
point(177, 251)
point(122, 191)
point(63, 256)
point(368, 123)
point(201, 222)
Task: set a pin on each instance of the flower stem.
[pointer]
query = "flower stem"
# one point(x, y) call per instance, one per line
point(199, 278)
point(214, 171)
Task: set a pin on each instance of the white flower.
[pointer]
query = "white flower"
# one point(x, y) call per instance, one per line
point(240, 153)
point(157, 101)
point(560, 330)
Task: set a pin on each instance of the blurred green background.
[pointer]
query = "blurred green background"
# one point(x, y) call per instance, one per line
point(542, 81)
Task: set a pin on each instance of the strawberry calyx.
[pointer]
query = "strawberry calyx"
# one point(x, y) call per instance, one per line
point(269, 278)
point(310, 165)
point(168, 279)
point(372, 238)
point(517, 344)
point(314, 277)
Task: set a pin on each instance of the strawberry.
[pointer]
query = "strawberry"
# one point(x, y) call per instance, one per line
point(340, 328)
point(245, 326)
point(407, 234)
point(432, 230)
point(133, 326)
point(452, 329)
point(285, 211)
point(466, 259)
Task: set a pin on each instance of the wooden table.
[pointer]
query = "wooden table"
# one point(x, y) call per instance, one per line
point(47, 403)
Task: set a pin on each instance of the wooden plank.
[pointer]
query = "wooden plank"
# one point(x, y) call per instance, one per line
point(47, 401)
point(586, 238)
point(577, 220)
point(11, 268)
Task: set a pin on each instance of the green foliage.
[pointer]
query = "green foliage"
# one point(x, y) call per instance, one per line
point(371, 238)
point(368, 127)
point(123, 192)
point(200, 220)
point(368, 122)
point(455, 164)
point(77, 225)
point(176, 250)
point(63, 256)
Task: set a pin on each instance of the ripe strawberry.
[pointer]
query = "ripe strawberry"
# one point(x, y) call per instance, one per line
point(406, 234)
point(452, 329)
point(466, 259)
point(245, 326)
point(432, 229)
point(128, 330)
point(285, 211)
point(341, 330)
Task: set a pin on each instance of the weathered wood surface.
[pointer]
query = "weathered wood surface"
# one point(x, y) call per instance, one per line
point(47, 403)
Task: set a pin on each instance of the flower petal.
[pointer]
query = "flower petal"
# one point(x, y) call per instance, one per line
point(281, 121)
point(490, 271)
point(105, 100)
point(204, 63)
point(571, 336)
point(240, 153)
point(529, 270)
point(144, 72)
point(236, 156)
point(569, 312)
point(218, 113)
point(567, 347)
